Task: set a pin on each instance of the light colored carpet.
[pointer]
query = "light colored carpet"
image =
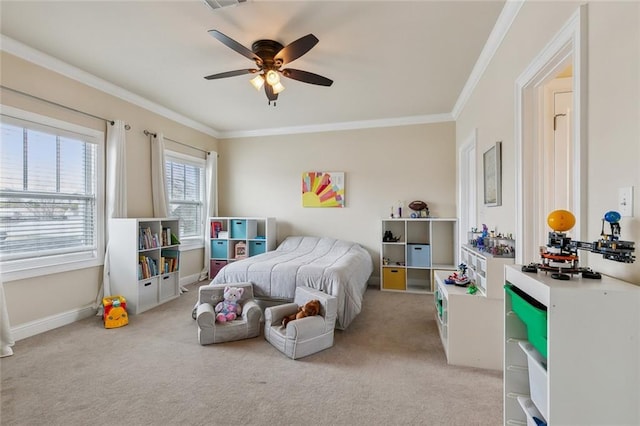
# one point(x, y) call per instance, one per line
point(387, 368)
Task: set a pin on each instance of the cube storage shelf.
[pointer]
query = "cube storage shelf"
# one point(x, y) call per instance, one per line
point(591, 372)
point(255, 236)
point(483, 309)
point(144, 264)
point(485, 270)
point(470, 325)
point(424, 244)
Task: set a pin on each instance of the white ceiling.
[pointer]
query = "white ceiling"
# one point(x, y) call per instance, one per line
point(389, 60)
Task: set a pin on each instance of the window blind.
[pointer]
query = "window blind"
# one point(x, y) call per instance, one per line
point(48, 184)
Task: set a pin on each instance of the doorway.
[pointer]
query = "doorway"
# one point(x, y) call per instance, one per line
point(467, 202)
point(538, 161)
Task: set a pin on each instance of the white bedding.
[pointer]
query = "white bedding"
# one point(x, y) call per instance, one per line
point(337, 267)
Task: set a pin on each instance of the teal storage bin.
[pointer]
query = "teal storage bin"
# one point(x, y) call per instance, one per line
point(238, 229)
point(257, 247)
point(219, 249)
point(533, 314)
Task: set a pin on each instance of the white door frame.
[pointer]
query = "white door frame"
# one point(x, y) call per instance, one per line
point(568, 46)
point(467, 197)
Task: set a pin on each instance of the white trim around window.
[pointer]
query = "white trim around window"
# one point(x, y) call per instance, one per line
point(187, 242)
point(51, 262)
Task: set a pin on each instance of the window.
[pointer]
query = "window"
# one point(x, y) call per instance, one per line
point(51, 204)
point(185, 193)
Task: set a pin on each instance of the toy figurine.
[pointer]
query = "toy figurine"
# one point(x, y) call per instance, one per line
point(560, 256)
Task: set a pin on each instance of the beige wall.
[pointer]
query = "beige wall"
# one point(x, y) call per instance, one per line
point(34, 299)
point(262, 177)
point(257, 177)
point(613, 112)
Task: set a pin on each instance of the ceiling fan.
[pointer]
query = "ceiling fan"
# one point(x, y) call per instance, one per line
point(270, 56)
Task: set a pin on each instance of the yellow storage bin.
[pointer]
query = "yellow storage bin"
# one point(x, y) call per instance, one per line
point(394, 278)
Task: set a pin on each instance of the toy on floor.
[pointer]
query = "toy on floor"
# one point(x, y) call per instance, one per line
point(309, 309)
point(115, 312)
point(230, 308)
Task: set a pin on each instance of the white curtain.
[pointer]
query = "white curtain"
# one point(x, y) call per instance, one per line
point(158, 182)
point(6, 340)
point(116, 193)
point(210, 206)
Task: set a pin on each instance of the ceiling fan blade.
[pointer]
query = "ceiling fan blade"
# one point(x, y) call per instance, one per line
point(295, 49)
point(231, 74)
point(306, 77)
point(232, 44)
point(269, 91)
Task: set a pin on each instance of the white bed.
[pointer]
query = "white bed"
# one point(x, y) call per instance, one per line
point(337, 267)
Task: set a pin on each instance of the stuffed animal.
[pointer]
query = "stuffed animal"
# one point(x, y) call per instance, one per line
point(309, 309)
point(230, 308)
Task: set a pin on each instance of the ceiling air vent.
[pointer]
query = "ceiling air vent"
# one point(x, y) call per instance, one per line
point(217, 4)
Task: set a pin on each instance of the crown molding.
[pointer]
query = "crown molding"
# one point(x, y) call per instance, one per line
point(44, 60)
point(37, 57)
point(500, 29)
point(332, 127)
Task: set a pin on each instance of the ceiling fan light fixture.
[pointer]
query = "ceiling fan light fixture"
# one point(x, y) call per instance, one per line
point(277, 88)
point(257, 81)
point(272, 77)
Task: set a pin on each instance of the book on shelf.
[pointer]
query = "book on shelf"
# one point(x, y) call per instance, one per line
point(147, 267)
point(170, 260)
point(174, 240)
point(147, 239)
point(166, 237)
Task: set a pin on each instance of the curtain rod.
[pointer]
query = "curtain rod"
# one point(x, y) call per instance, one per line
point(148, 133)
point(126, 126)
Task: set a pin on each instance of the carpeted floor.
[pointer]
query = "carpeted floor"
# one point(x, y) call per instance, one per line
point(387, 368)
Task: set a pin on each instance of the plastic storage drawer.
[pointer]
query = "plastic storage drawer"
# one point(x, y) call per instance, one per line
point(238, 229)
point(537, 377)
point(219, 249)
point(533, 314)
point(419, 255)
point(394, 279)
point(257, 247)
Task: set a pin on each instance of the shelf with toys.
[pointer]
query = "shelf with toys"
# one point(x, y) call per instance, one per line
point(485, 255)
point(470, 325)
point(411, 248)
point(562, 322)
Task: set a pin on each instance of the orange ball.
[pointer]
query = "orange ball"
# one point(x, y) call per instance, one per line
point(561, 220)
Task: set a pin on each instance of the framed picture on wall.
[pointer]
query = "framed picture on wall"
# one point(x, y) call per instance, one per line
point(323, 189)
point(492, 172)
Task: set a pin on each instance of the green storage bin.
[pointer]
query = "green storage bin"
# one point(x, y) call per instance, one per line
point(533, 314)
point(438, 303)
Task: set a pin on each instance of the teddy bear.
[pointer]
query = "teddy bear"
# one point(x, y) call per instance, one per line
point(229, 308)
point(309, 309)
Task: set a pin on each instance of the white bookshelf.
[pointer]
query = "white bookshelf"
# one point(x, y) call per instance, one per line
point(144, 288)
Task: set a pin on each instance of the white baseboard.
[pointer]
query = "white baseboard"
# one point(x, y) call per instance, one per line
point(41, 325)
point(189, 279)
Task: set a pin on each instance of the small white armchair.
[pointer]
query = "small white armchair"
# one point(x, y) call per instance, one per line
point(305, 336)
point(244, 327)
